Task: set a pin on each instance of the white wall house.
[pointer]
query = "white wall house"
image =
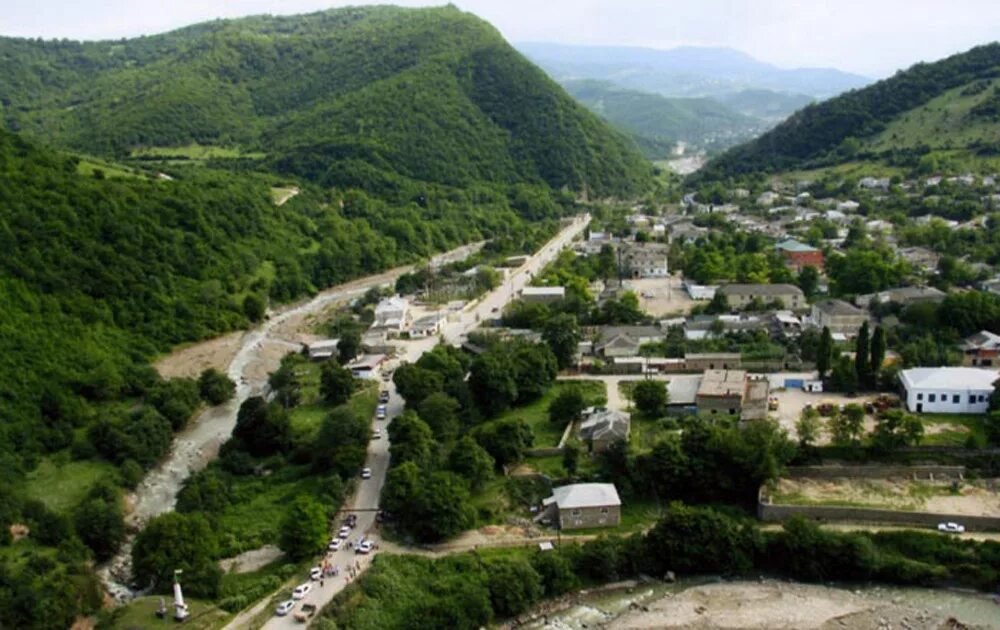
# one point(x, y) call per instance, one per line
point(392, 314)
point(948, 389)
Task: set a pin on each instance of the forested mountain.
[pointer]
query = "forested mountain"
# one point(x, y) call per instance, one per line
point(948, 105)
point(765, 104)
point(685, 71)
point(375, 97)
point(659, 122)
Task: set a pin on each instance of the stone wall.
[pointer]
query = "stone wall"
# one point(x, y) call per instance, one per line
point(779, 513)
point(875, 472)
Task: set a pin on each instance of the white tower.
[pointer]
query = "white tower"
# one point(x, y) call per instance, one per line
point(180, 608)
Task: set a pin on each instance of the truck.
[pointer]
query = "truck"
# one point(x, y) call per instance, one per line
point(307, 611)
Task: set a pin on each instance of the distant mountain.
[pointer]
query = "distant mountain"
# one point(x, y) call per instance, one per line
point(686, 71)
point(951, 105)
point(380, 98)
point(659, 123)
point(765, 104)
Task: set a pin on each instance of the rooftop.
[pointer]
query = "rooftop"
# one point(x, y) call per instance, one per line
point(791, 245)
point(838, 307)
point(760, 289)
point(982, 340)
point(721, 383)
point(560, 291)
point(960, 378)
point(584, 495)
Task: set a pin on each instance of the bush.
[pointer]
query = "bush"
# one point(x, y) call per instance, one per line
point(215, 387)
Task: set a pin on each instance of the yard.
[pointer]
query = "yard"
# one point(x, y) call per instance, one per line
point(536, 414)
point(309, 414)
point(141, 613)
point(941, 429)
point(968, 498)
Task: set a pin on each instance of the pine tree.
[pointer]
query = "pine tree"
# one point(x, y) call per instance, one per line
point(824, 353)
point(878, 353)
point(862, 355)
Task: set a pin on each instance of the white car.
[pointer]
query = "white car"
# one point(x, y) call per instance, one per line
point(380, 412)
point(366, 473)
point(376, 434)
point(302, 590)
point(334, 544)
point(344, 532)
point(315, 573)
point(285, 607)
point(951, 528)
point(364, 547)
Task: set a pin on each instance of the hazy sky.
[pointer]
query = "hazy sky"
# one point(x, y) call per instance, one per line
point(873, 37)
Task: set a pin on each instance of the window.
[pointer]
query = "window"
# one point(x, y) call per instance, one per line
point(604, 510)
point(920, 396)
point(931, 397)
point(982, 398)
point(972, 400)
point(956, 398)
point(575, 513)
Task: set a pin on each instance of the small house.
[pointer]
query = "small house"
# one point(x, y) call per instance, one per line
point(948, 389)
point(543, 295)
point(601, 427)
point(981, 350)
point(584, 505)
point(366, 366)
point(323, 350)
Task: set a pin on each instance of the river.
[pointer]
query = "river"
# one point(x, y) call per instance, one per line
point(772, 604)
point(199, 442)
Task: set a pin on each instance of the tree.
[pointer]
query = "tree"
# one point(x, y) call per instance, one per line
point(718, 305)
point(253, 307)
point(348, 345)
point(824, 352)
point(567, 406)
point(506, 440)
point(440, 412)
point(341, 443)
point(411, 440)
point(215, 387)
point(606, 264)
point(878, 353)
point(472, 462)
point(284, 381)
point(100, 524)
point(862, 356)
point(562, 333)
point(844, 377)
point(994, 401)
point(262, 429)
point(808, 281)
point(514, 585)
point(492, 381)
point(304, 528)
point(535, 369)
point(415, 383)
point(651, 397)
point(174, 541)
point(895, 428)
point(336, 383)
point(847, 426)
point(570, 457)
point(808, 427)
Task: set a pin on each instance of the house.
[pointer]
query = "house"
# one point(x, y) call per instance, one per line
point(872, 183)
point(646, 260)
point(427, 326)
point(768, 198)
point(742, 295)
point(543, 295)
point(701, 361)
point(948, 389)
point(366, 366)
point(786, 323)
point(901, 295)
point(799, 255)
point(920, 257)
point(848, 206)
point(733, 392)
point(838, 316)
point(322, 350)
point(516, 261)
point(700, 291)
point(392, 314)
point(981, 350)
point(583, 505)
point(624, 341)
point(602, 427)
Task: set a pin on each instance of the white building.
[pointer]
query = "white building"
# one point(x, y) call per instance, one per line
point(543, 295)
point(392, 314)
point(948, 389)
point(367, 366)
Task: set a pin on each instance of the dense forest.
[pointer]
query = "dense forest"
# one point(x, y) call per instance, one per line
point(365, 97)
point(829, 132)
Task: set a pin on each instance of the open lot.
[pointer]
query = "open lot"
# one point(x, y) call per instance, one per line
point(971, 498)
point(662, 296)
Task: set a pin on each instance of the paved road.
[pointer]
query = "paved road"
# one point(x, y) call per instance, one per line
point(367, 495)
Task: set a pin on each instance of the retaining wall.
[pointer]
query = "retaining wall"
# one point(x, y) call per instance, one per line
point(777, 513)
point(875, 472)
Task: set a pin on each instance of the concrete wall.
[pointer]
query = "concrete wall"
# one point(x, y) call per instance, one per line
point(875, 472)
point(778, 513)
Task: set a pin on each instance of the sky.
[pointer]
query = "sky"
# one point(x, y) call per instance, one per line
point(870, 37)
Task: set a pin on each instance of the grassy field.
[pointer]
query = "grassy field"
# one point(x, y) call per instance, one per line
point(307, 417)
point(536, 414)
point(646, 432)
point(942, 429)
point(141, 614)
point(195, 152)
point(60, 486)
point(88, 165)
point(891, 494)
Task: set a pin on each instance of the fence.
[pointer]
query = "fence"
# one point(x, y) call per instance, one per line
point(875, 472)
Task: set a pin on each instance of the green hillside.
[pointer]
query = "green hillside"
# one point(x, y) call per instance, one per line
point(374, 97)
point(658, 122)
point(950, 104)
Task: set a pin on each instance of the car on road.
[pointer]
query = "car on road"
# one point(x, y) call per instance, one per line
point(376, 434)
point(384, 396)
point(364, 547)
point(951, 528)
point(302, 590)
point(315, 573)
point(366, 473)
point(344, 532)
point(335, 544)
point(284, 607)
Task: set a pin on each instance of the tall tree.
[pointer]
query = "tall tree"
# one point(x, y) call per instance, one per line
point(336, 383)
point(824, 352)
point(562, 333)
point(651, 398)
point(808, 281)
point(878, 354)
point(304, 528)
point(348, 345)
point(862, 355)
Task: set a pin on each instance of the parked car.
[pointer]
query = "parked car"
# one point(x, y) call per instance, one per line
point(335, 544)
point(308, 610)
point(315, 573)
point(366, 473)
point(351, 520)
point(384, 396)
point(951, 528)
point(364, 547)
point(376, 434)
point(344, 532)
point(285, 607)
point(302, 590)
